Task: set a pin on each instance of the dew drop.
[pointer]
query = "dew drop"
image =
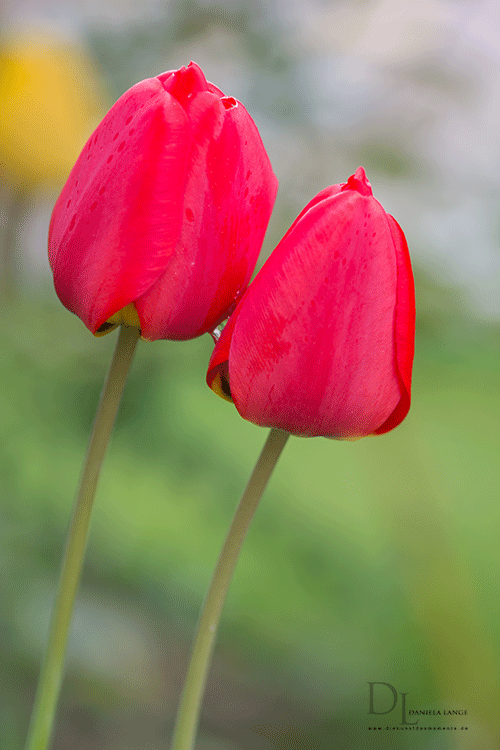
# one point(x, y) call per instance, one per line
point(110, 158)
point(131, 131)
point(121, 146)
point(116, 136)
point(72, 225)
point(68, 204)
point(93, 206)
point(245, 193)
point(189, 214)
point(248, 173)
point(101, 190)
point(128, 120)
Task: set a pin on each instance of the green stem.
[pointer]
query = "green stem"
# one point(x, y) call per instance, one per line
point(194, 686)
point(49, 684)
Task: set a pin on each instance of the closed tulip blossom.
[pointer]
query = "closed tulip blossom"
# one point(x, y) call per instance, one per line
point(321, 343)
point(161, 220)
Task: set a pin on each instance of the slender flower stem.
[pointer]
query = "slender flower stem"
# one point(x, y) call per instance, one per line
point(49, 685)
point(194, 687)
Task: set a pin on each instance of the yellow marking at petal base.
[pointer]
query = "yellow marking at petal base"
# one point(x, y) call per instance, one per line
point(218, 388)
point(345, 438)
point(127, 316)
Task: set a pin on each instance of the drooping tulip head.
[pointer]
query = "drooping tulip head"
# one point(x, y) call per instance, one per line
point(321, 343)
point(162, 218)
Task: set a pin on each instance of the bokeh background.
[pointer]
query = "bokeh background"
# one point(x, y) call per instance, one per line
point(374, 561)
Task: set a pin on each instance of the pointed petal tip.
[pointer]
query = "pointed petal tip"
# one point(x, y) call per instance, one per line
point(359, 182)
point(185, 82)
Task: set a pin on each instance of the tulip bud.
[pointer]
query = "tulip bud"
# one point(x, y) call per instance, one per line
point(321, 343)
point(162, 218)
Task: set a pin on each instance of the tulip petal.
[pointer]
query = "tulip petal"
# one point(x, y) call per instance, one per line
point(404, 326)
point(228, 199)
point(311, 350)
point(105, 253)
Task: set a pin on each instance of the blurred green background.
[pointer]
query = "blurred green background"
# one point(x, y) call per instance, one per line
point(374, 561)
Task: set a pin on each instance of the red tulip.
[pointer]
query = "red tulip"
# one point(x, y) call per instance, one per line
point(321, 343)
point(164, 212)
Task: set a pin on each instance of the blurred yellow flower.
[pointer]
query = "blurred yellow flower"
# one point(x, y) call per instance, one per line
point(50, 100)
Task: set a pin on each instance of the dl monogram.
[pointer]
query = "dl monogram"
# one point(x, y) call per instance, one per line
point(384, 701)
